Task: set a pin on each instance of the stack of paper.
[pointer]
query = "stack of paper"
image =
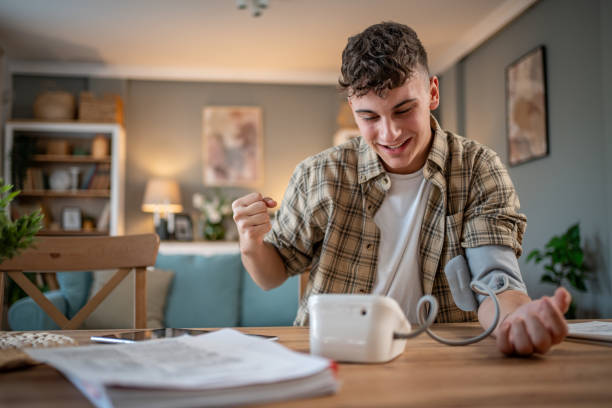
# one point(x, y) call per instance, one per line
point(217, 369)
point(595, 331)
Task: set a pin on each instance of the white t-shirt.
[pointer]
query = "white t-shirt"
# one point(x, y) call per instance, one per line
point(399, 219)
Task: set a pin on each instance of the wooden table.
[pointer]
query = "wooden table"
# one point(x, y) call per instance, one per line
point(426, 374)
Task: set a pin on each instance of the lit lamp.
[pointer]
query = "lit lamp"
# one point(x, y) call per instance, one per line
point(162, 198)
point(346, 123)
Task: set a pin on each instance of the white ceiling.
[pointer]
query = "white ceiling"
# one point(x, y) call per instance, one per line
point(294, 41)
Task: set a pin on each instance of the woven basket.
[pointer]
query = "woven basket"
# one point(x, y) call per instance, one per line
point(109, 108)
point(54, 105)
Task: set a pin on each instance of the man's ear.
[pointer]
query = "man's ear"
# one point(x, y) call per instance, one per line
point(434, 93)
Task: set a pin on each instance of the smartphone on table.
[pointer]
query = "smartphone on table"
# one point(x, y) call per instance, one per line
point(123, 337)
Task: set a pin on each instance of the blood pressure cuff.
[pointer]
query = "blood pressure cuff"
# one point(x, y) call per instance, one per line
point(493, 265)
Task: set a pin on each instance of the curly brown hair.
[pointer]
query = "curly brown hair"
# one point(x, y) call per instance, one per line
point(381, 58)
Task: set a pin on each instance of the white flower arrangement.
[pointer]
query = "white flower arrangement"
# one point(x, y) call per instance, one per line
point(213, 209)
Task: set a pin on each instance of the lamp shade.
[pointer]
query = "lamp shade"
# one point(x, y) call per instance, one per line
point(162, 196)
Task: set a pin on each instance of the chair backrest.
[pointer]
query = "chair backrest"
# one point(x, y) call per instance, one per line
point(55, 254)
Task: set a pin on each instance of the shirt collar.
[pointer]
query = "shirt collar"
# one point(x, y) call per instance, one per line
point(439, 147)
point(370, 165)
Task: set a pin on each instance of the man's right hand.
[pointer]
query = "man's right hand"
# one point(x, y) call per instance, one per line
point(252, 219)
point(260, 259)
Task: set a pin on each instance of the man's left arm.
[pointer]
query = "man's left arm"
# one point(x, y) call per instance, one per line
point(527, 326)
point(492, 235)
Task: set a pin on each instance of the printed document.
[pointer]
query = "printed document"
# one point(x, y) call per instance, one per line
point(225, 367)
point(594, 330)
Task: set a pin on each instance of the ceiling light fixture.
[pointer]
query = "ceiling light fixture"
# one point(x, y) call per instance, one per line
point(257, 6)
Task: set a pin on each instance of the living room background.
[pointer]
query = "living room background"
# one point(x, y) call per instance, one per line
point(572, 184)
point(163, 122)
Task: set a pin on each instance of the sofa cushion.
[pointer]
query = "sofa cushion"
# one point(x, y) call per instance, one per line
point(205, 290)
point(75, 287)
point(276, 307)
point(115, 311)
point(25, 314)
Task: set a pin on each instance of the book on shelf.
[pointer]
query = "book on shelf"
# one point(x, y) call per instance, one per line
point(104, 218)
point(87, 176)
point(34, 179)
point(101, 178)
point(28, 182)
point(222, 368)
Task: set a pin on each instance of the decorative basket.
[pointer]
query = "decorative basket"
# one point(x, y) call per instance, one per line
point(57, 147)
point(109, 108)
point(54, 105)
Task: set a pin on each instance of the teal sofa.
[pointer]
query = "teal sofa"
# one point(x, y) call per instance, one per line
point(206, 291)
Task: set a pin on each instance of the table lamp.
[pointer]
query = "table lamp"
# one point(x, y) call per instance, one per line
point(162, 198)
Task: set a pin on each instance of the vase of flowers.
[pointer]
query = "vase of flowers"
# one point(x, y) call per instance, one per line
point(211, 213)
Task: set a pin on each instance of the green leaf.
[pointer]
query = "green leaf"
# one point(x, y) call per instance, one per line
point(573, 233)
point(576, 257)
point(18, 234)
point(580, 284)
point(572, 280)
point(535, 254)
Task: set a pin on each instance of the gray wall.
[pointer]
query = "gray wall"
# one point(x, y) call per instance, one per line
point(573, 183)
point(27, 87)
point(4, 97)
point(164, 126)
point(451, 99)
point(606, 45)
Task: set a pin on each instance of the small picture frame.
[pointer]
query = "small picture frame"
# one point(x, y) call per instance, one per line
point(71, 219)
point(183, 227)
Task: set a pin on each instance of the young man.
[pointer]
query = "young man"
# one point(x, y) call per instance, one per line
point(386, 212)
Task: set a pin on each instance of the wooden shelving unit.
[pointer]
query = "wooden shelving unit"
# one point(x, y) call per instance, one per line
point(90, 198)
point(71, 233)
point(67, 193)
point(56, 158)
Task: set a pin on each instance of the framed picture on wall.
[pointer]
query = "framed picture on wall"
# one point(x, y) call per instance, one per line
point(526, 108)
point(232, 146)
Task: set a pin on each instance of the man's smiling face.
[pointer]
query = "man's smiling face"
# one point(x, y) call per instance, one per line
point(397, 126)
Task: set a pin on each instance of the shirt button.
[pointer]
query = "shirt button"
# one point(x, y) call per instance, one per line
point(369, 246)
point(369, 206)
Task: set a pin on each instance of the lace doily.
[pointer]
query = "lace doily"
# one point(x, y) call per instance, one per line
point(22, 340)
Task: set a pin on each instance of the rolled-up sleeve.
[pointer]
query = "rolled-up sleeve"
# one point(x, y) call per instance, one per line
point(294, 233)
point(492, 214)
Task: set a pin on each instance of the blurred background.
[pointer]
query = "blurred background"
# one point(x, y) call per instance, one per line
point(169, 60)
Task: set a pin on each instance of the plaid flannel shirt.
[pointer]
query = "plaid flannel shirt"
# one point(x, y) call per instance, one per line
point(326, 221)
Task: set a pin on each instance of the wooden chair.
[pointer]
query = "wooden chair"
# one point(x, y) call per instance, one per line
point(53, 254)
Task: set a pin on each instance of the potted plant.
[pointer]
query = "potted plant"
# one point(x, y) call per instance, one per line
point(564, 263)
point(17, 235)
